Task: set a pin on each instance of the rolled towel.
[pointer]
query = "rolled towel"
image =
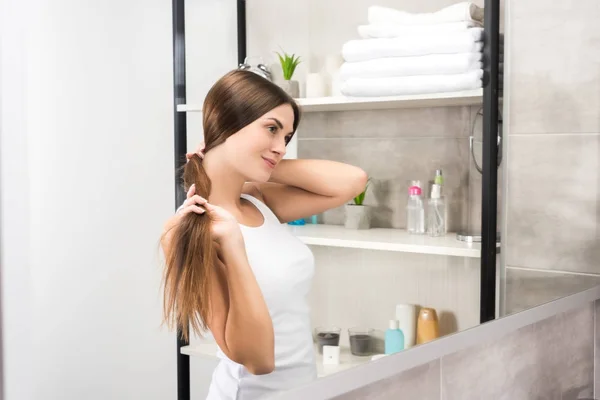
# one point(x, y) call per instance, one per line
point(464, 11)
point(432, 64)
point(411, 85)
point(391, 30)
point(458, 42)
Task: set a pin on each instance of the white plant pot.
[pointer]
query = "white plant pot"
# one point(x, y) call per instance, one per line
point(291, 87)
point(357, 217)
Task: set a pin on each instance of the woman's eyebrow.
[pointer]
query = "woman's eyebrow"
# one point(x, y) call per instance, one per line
point(279, 124)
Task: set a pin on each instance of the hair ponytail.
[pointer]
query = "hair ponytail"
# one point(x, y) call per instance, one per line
point(189, 264)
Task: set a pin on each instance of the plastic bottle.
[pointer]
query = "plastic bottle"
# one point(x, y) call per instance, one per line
point(436, 213)
point(439, 179)
point(394, 338)
point(415, 213)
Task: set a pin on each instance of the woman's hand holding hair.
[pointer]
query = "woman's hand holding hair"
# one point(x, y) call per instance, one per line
point(199, 151)
point(224, 226)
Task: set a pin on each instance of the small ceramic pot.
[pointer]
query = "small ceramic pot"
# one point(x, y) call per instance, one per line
point(291, 87)
point(357, 217)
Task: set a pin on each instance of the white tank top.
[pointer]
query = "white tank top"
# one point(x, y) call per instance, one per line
point(284, 268)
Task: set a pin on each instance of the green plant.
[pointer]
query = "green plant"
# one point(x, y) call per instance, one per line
point(288, 64)
point(358, 200)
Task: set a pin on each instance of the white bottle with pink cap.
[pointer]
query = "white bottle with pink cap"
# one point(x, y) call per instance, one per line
point(415, 212)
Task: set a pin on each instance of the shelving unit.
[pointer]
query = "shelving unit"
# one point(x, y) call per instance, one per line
point(208, 350)
point(464, 98)
point(385, 239)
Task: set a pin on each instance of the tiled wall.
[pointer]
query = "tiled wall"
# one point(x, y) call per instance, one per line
point(395, 147)
point(551, 359)
point(553, 174)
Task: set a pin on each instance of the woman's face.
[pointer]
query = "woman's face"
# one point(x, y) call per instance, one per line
point(257, 148)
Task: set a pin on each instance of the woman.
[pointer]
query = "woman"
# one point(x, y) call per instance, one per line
point(232, 266)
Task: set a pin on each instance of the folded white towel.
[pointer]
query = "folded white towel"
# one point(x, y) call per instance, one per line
point(411, 85)
point(392, 30)
point(432, 64)
point(457, 42)
point(464, 11)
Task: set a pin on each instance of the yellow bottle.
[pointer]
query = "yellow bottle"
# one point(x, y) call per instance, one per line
point(427, 326)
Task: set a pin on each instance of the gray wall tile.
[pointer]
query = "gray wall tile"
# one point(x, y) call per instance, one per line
point(552, 359)
point(526, 289)
point(393, 163)
point(414, 122)
point(422, 383)
point(553, 208)
point(554, 81)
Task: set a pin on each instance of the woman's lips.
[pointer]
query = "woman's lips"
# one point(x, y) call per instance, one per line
point(269, 162)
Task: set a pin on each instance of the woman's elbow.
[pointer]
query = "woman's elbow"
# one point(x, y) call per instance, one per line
point(360, 182)
point(262, 368)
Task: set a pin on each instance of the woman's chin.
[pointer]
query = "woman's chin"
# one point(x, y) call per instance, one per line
point(264, 178)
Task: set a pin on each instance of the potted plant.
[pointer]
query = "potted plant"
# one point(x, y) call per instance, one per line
point(357, 214)
point(288, 65)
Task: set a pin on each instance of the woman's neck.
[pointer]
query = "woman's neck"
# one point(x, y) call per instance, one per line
point(226, 183)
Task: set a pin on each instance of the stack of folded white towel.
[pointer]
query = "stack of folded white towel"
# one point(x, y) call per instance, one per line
point(401, 53)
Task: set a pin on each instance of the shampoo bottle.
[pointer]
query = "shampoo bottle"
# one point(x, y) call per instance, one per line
point(394, 338)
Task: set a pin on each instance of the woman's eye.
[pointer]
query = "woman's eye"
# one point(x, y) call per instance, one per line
point(272, 129)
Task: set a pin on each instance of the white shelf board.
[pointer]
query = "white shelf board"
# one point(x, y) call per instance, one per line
point(464, 98)
point(384, 239)
point(347, 360)
point(342, 103)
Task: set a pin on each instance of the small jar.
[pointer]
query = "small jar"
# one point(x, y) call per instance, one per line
point(360, 341)
point(327, 336)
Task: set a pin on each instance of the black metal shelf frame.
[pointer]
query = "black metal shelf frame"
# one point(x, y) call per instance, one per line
point(490, 152)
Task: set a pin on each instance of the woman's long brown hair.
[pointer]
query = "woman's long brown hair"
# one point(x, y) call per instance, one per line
point(236, 100)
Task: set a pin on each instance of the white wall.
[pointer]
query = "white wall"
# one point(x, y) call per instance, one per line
point(91, 183)
point(14, 206)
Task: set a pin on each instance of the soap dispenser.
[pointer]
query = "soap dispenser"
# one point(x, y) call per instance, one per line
point(394, 338)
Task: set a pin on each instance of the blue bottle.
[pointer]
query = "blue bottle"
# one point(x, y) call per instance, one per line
point(394, 338)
